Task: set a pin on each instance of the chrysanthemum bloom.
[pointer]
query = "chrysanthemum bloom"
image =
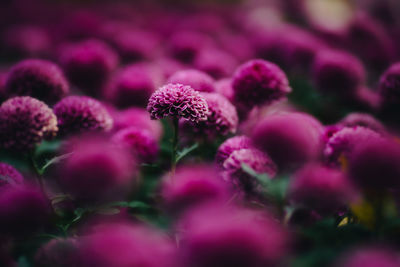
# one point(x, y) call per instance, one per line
point(37, 78)
point(226, 237)
point(222, 118)
point(216, 63)
point(320, 188)
point(58, 252)
point(25, 122)
point(132, 86)
point(362, 119)
point(257, 160)
point(139, 118)
point(370, 257)
point(259, 82)
point(198, 80)
point(389, 85)
point(224, 87)
point(124, 245)
point(177, 101)
point(97, 170)
point(342, 143)
point(337, 72)
point(77, 114)
point(140, 142)
point(375, 165)
point(191, 186)
point(9, 175)
point(186, 45)
point(88, 64)
point(23, 209)
point(289, 139)
point(230, 145)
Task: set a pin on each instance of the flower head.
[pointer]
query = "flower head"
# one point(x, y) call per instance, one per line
point(179, 101)
point(77, 114)
point(216, 63)
point(25, 122)
point(37, 78)
point(198, 80)
point(258, 82)
point(389, 85)
point(370, 257)
point(362, 119)
point(9, 175)
point(230, 145)
point(186, 45)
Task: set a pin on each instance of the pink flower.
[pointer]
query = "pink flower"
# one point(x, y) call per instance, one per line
point(230, 145)
point(9, 175)
point(198, 80)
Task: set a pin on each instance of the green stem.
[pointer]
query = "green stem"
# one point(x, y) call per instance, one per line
point(174, 145)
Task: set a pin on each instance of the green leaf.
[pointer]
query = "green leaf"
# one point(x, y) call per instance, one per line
point(108, 211)
point(132, 204)
point(186, 151)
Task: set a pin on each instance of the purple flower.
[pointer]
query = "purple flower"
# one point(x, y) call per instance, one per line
point(9, 175)
point(337, 72)
point(97, 170)
point(224, 87)
point(257, 160)
point(216, 63)
point(222, 118)
point(77, 114)
point(40, 79)
point(57, 252)
point(178, 101)
point(226, 237)
point(88, 64)
point(259, 82)
point(191, 186)
point(124, 245)
point(230, 145)
point(373, 256)
point(25, 122)
point(320, 188)
point(289, 139)
point(362, 119)
point(389, 85)
point(198, 80)
point(139, 118)
point(132, 86)
point(186, 45)
point(140, 142)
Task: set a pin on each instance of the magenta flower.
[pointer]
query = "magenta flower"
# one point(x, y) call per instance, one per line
point(224, 87)
point(320, 188)
point(9, 175)
point(88, 64)
point(40, 79)
point(140, 142)
point(58, 252)
point(177, 101)
point(370, 257)
point(25, 122)
point(259, 82)
point(230, 145)
point(186, 45)
point(77, 114)
point(196, 79)
point(389, 85)
point(362, 119)
point(216, 63)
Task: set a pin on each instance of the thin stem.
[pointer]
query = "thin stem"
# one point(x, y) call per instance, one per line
point(38, 173)
point(174, 145)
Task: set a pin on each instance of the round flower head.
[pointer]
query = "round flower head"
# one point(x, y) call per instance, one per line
point(342, 143)
point(389, 85)
point(178, 101)
point(40, 79)
point(289, 139)
point(139, 118)
point(320, 188)
point(259, 82)
point(191, 186)
point(375, 164)
point(77, 114)
point(141, 142)
point(370, 257)
point(23, 210)
point(57, 252)
point(216, 63)
point(222, 118)
point(198, 80)
point(186, 45)
point(132, 86)
point(230, 145)
point(9, 175)
point(25, 122)
point(124, 245)
point(364, 120)
point(226, 237)
point(338, 73)
point(253, 158)
point(224, 87)
point(88, 64)
point(97, 170)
